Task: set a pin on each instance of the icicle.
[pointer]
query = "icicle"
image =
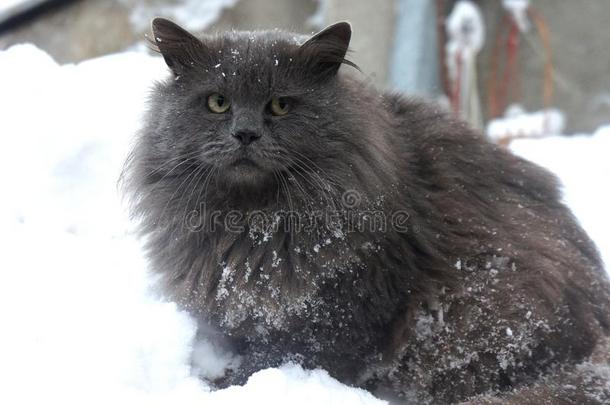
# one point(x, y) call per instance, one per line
point(466, 37)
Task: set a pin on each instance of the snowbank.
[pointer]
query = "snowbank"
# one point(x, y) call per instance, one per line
point(78, 322)
point(582, 163)
point(518, 123)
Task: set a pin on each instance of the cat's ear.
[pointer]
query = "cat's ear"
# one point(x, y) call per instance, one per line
point(325, 51)
point(179, 48)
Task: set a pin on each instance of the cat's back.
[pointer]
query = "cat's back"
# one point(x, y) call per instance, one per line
point(522, 260)
point(479, 190)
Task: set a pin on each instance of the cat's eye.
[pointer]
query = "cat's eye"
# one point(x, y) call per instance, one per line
point(217, 103)
point(279, 106)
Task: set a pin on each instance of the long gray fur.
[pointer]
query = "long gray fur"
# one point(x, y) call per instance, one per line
point(488, 292)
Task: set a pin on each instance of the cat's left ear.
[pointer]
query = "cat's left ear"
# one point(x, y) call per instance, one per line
point(325, 51)
point(180, 49)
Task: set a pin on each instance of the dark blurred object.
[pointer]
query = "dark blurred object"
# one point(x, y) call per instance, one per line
point(23, 11)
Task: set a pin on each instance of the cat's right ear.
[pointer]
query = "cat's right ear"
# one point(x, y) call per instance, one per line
point(325, 52)
point(180, 49)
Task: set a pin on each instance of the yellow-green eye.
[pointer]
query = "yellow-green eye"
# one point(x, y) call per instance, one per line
point(217, 103)
point(279, 106)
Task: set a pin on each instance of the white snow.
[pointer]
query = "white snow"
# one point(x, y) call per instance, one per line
point(518, 123)
point(191, 14)
point(583, 166)
point(7, 4)
point(465, 27)
point(518, 10)
point(79, 324)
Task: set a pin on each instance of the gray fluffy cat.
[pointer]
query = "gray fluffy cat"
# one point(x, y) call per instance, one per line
point(308, 216)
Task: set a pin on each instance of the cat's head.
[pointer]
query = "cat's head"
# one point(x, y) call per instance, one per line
point(249, 104)
point(259, 118)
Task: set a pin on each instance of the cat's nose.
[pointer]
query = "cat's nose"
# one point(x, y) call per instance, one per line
point(246, 137)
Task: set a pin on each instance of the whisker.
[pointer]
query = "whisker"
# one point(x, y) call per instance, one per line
point(157, 183)
point(315, 182)
point(206, 183)
point(304, 158)
point(174, 193)
point(196, 179)
point(190, 154)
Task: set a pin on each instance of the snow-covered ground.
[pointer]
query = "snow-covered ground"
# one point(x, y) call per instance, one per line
point(78, 322)
point(582, 163)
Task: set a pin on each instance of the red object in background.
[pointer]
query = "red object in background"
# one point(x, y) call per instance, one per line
point(507, 90)
point(457, 87)
point(441, 37)
point(511, 71)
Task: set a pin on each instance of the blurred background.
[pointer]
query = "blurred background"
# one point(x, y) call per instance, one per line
point(538, 66)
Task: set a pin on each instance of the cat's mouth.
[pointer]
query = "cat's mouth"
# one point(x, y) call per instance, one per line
point(244, 158)
point(244, 162)
point(244, 170)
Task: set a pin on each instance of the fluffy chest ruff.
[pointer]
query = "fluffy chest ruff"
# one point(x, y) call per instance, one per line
point(320, 294)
